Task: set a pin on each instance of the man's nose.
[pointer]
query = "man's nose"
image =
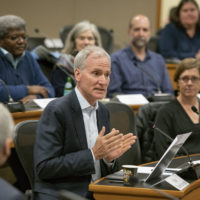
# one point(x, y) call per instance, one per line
point(141, 32)
point(102, 79)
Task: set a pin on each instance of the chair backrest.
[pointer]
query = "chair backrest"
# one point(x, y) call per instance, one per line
point(24, 142)
point(106, 36)
point(123, 119)
point(145, 118)
point(67, 195)
point(47, 68)
point(46, 60)
point(33, 42)
point(153, 43)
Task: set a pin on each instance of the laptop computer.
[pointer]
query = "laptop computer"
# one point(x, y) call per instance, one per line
point(157, 174)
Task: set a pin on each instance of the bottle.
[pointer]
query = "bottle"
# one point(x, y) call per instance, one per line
point(68, 86)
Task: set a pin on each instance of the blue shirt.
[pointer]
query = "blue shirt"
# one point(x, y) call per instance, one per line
point(27, 72)
point(129, 75)
point(175, 43)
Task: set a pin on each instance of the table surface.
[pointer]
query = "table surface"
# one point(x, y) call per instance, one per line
point(104, 188)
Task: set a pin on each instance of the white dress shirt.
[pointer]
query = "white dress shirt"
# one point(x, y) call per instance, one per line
point(91, 129)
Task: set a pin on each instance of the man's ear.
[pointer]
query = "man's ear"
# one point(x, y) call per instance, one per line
point(6, 148)
point(5, 151)
point(77, 74)
point(129, 31)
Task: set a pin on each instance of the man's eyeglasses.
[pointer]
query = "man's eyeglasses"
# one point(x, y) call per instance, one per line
point(193, 79)
point(16, 38)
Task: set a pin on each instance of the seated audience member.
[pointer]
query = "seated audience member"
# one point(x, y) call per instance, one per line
point(82, 34)
point(19, 71)
point(7, 191)
point(177, 117)
point(136, 69)
point(74, 144)
point(180, 38)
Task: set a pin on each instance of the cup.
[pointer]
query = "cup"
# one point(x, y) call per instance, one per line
point(129, 173)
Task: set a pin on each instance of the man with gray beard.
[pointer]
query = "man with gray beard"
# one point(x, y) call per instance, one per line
point(136, 69)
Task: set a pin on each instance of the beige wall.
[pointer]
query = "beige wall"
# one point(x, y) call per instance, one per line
point(50, 15)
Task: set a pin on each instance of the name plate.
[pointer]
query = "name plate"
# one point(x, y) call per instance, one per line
point(177, 182)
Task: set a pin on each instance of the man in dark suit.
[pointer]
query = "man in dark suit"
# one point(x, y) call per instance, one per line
point(7, 191)
point(74, 145)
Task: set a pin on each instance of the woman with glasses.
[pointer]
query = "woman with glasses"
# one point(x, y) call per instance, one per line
point(177, 116)
point(20, 75)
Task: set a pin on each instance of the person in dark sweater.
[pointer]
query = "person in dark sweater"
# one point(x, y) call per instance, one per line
point(177, 117)
point(19, 71)
point(180, 38)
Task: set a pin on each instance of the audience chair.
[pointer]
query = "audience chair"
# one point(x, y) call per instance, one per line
point(106, 36)
point(46, 61)
point(24, 142)
point(67, 195)
point(153, 43)
point(33, 42)
point(123, 119)
point(145, 118)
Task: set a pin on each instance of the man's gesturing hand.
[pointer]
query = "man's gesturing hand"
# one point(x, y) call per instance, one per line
point(112, 145)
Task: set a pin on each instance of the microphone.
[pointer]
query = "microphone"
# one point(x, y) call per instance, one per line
point(12, 105)
point(10, 99)
point(49, 43)
point(37, 30)
point(188, 172)
point(118, 37)
point(194, 109)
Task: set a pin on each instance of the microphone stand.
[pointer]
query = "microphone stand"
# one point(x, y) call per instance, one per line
point(13, 106)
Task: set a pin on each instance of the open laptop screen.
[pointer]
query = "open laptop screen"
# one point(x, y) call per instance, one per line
point(167, 157)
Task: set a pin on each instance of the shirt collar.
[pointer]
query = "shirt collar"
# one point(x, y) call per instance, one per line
point(83, 102)
point(10, 57)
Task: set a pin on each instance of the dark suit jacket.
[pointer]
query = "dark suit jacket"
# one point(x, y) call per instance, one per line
point(62, 159)
point(8, 192)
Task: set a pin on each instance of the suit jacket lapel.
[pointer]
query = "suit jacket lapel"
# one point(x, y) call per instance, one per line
point(78, 121)
point(102, 120)
point(99, 119)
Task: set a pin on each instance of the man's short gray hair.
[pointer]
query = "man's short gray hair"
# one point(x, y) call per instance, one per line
point(6, 125)
point(10, 22)
point(96, 52)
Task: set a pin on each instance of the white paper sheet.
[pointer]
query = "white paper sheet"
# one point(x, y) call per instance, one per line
point(132, 99)
point(42, 103)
